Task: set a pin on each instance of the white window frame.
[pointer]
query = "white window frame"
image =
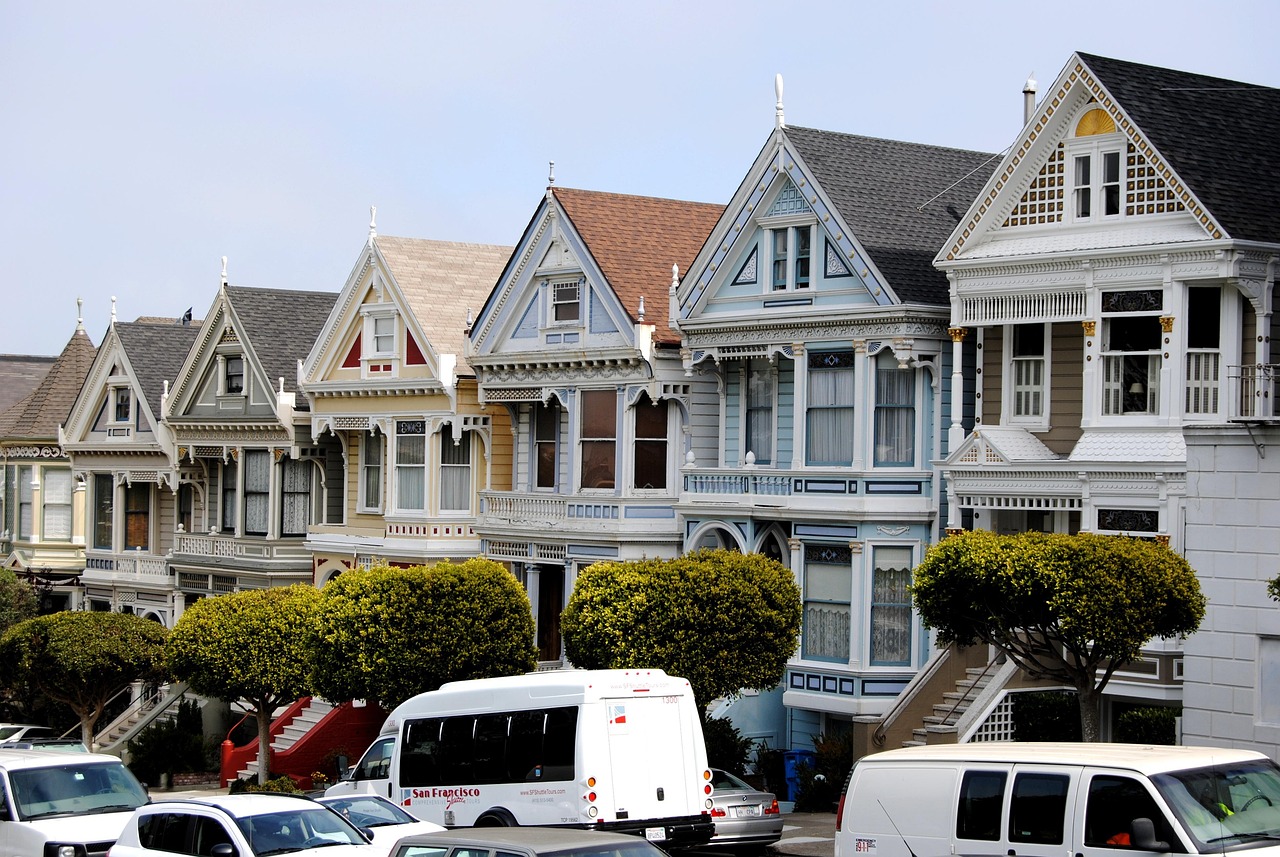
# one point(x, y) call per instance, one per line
point(118, 428)
point(365, 503)
point(445, 437)
point(47, 503)
point(585, 440)
point(227, 375)
point(553, 409)
point(554, 291)
point(1109, 358)
point(638, 442)
point(792, 226)
point(372, 357)
point(878, 406)
point(402, 468)
point(1010, 380)
point(749, 369)
point(27, 488)
point(1095, 148)
point(872, 549)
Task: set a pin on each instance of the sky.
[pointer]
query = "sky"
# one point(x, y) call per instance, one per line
point(143, 141)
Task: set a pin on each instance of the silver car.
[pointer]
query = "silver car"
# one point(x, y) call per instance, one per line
point(746, 818)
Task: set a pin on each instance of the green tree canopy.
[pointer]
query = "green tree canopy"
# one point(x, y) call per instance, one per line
point(1071, 608)
point(247, 647)
point(83, 659)
point(17, 599)
point(386, 634)
point(721, 619)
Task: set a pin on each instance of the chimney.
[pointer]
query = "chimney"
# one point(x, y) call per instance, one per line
point(1029, 98)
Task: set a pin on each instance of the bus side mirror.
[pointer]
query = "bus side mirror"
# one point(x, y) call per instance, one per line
point(1144, 836)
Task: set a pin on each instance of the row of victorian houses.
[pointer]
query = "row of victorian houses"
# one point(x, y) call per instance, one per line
point(872, 344)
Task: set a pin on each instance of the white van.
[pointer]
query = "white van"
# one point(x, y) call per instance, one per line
point(607, 749)
point(1010, 799)
point(55, 803)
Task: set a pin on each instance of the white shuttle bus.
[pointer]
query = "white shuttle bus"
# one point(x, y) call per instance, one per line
point(617, 750)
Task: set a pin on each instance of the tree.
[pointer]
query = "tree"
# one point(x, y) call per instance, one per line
point(83, 659)
point(17, 599)
point(1071, 608)
point(721, 619)
point(247, 647)
point(385, 634)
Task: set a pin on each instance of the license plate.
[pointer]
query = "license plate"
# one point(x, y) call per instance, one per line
point(745, 811)
point(655, 834)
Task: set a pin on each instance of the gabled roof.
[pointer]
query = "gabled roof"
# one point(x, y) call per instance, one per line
point(19, 375)
point(635, 240)
point(38, 415)
point(441, 281)
point(280, 325)
point(157, 349)
point(1222, 137)
point(902, 200)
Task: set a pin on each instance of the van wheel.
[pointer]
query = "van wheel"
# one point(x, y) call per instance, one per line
point(496, 818)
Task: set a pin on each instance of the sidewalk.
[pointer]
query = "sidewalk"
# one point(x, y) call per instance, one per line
point(807, 834)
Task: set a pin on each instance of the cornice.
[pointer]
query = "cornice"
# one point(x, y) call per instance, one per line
point(366, 389)
point(815, 330)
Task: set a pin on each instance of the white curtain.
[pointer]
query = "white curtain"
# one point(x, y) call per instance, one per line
point(411, 459)
point(57, 505)
point(830, 435)
point(760, 415)
point(828, 590)
point(371, 466)
point(455, 472)
point(296, 497)
point(257, 490)
point(891, 607)
point(895, 413)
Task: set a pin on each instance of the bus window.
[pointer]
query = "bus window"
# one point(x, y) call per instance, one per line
point(458, 750)
point(524, 750)
point(558, 744)
point(420, 755)
point(490, 764)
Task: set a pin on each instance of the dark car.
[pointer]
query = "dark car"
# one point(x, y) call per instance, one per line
point(746, 818)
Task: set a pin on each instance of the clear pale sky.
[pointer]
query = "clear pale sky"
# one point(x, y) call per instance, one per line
point(142, 142)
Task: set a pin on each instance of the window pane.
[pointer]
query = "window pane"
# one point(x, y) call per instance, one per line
point(981, 805)
point(598, 458)
point(295, 512)
point(759, 434)
point(455, 471)
point(229, 477)
point(257, 488)
point(1038, 809)
point(651, 419)
point(651, 464)
point(599, 413)
point(138, 516)
point(371, 466)
point(103, 508)
point(829, 439)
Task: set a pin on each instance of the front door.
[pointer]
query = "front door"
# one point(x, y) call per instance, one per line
point(550, 606)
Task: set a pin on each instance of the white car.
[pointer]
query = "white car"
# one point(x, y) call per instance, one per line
point(241, 825)
point(379, 816)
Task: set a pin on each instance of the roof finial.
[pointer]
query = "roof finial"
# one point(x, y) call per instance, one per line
point(224, 270)
point(79, 313)
point(551, 172)
point(640, 315)
point(777, 88)
point(113, 309)
point(373, 222)
point(470, 319)
point(675, 277)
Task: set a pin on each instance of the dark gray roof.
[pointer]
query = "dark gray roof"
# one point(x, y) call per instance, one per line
point(1221, 136)
point(902, 200)
point(156, 351)
point(19, 375)
point(280, 325)
point(38, 415)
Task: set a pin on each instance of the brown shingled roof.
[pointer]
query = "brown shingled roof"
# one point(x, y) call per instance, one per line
point(635, 240)
point(441, 280)
point(39, 414)
point(19, 375)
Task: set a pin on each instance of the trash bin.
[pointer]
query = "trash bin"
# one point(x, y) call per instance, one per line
point(791, 762)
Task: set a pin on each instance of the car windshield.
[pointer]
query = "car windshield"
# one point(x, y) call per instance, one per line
point(369, 811)
point(9, 731)
point(75, 788)
point(1226, 808)
point(295, 829)
point(726, 780)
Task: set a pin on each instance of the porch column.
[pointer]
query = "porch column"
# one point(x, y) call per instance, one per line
point(860, 600)
point(532, 582)
point(955, 433)
point(800, 407)
point(179, 607)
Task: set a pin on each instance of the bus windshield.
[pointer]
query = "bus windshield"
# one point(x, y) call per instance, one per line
point(1226, 808)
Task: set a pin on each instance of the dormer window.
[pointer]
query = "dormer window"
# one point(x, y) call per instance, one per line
point(381, 349)
point(566, 300)
point(234, 375)
point(1095, 170)
point(791, 252)
point(122, 405)
point(384, 336)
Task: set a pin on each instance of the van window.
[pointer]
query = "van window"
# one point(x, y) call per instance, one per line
point(1226, 807)
point(981, 804)
point(475, 749)
point(1038, 808)
point(1113, 803)
point(376, 764)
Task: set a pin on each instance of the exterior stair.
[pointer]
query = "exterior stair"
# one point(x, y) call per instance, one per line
point(291, 732)
point(141, 713)
point(947, 714)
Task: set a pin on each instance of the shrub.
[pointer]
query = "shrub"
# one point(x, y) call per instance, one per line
point(819, 786)
point(172, 746)
point(1046, 716)
point(726, 748)
point(1148, 724)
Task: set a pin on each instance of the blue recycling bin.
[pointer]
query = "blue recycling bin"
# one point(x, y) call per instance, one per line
point(791, 762)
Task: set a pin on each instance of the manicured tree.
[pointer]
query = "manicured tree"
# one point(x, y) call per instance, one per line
point(385, 634)
point(1071, 608)
point(721, 619)
point(247, 647)
point(83, 659)
point(17, 599)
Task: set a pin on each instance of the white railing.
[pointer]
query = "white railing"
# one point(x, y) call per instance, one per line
point(581, 513)
point(230, 547)
point(738, 483)
point(128, 564)
point(1255, 390)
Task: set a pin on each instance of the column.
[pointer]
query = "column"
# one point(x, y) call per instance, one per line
point(801, 399)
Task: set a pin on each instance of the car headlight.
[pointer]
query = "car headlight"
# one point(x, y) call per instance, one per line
point(58, 850)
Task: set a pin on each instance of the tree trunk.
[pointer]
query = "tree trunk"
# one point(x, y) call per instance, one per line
point(1089, 698)
point(86, 732)
point(263, 714)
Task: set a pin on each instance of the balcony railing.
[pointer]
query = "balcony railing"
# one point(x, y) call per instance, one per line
point(1254, 391)
point(502, 509)
point(754, 486)
point(231, 547)
point(128, 564)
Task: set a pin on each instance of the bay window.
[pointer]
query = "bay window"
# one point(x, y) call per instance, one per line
point(895, 414)
point(257, 491)
point(649, 463)
point(230, 483)
point(1131, 351)
point(103, 509)
point(828, 592)
point(891, 606)
point(411, 465)
point(295, 497)
point(26, 502)
point(56, 497)
point(455, 470)
point(759, 405)
point(829, 420)
point(546, 432)
point(599, 438)
point(137, 516)
point(370, 499)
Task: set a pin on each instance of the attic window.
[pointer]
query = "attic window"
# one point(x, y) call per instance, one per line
point(565, 301)
point(1095, 122)
point(235, 375)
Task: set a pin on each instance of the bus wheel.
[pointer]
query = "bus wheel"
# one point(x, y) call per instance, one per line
point(496, 818)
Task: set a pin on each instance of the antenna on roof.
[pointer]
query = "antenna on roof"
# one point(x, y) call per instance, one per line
point(777, 89)
point(224, 270)
point(113, 309)
point(373, 222)
point(79, 313)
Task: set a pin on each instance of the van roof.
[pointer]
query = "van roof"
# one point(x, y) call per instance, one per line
point(1145, 759)
point(13, 758)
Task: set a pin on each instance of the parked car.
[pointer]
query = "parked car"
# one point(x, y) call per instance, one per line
point(746, 818)
point(18, 731)
point(524, 842)
point(66, 745)
point(383, 818)
point(243, 824)
point(55, 803)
